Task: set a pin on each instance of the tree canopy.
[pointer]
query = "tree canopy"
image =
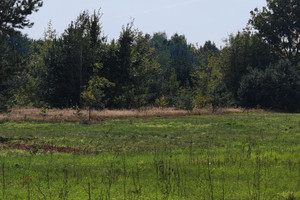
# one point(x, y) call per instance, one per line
point(81, 68)
point(279, 25)
point(14, 13)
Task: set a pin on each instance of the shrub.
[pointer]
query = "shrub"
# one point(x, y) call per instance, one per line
point(185, 99)
point(277, 87)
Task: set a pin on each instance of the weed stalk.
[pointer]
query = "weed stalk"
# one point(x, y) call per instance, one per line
point(3, 178)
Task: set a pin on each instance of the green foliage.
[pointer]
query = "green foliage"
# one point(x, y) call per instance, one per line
point(15, 49)
point(218, 94)
point(44, 111)
point(207, 51)
point(200, 101)
point(161, 102)
point(3, 105)
point(27, 86)
point(243, 50)
point(13, 46)
point(184, 99)
point(277, 87)
point(135, 71)
point(183, 58)
point(278, 25)
point(14, 14)
point(171, 88)
point(70, 61)
point(139, 70)
point(92, 94)
point(159, 42)
point(204, 77)
point(177, 59)
point(210, 89)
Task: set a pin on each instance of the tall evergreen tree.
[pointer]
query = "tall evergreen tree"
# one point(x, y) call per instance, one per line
point(242, 51)
point(13, 14)
point(183, 58)
point(167, 86)
point(78, 53)
point(14, 50)
point(135, 70)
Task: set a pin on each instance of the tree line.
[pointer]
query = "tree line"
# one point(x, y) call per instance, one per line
point(259, 67)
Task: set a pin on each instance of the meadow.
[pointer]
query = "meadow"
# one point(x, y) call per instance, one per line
point(252, 155)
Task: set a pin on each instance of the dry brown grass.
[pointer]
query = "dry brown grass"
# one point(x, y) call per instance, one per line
point(73, 115)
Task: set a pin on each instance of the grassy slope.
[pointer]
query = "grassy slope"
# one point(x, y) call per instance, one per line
point(235, 156)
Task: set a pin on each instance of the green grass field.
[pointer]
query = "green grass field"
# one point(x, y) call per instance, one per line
point(233, 156)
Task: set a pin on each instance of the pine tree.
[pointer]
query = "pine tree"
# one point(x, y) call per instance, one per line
point(14, 14)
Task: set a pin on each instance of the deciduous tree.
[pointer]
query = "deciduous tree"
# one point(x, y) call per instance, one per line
point(279, 25)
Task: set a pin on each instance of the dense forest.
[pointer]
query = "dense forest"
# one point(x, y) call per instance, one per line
point(259, 67)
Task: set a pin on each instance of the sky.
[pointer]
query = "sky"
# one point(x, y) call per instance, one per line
point(198, 20)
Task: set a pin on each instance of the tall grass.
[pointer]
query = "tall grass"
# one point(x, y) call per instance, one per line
point(234, 156)
point(82, 115)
